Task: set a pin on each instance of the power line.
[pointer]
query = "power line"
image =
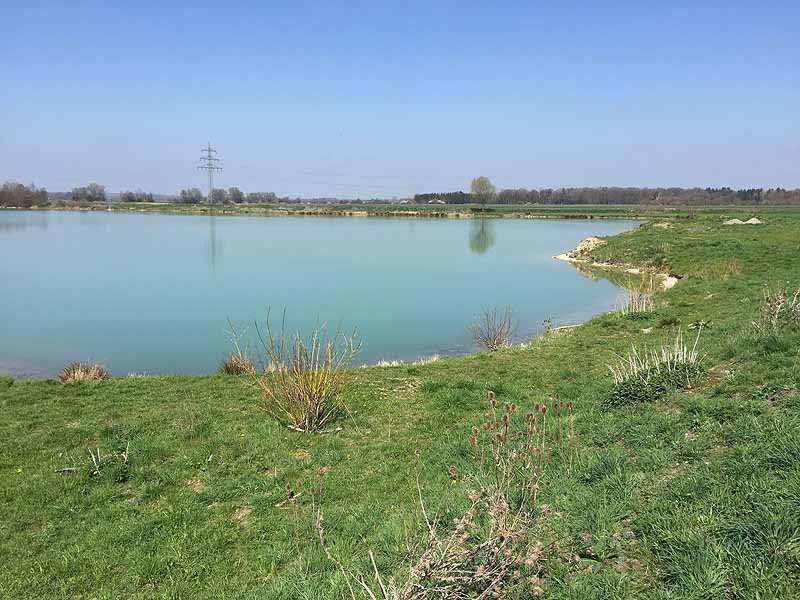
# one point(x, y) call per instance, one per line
point(209, 163)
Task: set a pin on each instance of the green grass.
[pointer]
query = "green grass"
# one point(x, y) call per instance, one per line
point(696, 495)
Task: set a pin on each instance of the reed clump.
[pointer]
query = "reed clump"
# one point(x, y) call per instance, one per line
point(304, 376)
point(78, 371)
point(639, 298)
point(649, 375)
point(494, 328)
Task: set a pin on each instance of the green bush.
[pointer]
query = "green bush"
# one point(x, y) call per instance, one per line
point(6, 382)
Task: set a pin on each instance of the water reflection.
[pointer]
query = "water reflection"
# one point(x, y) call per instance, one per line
point(38, 222)
point(213, 247)
point(481, 236)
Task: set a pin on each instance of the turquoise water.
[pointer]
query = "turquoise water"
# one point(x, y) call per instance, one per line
point(147, 293)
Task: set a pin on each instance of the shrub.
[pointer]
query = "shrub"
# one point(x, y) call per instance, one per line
point(649, 376)
point(6, 382)
point(494, 329)
point(78, 371)
point(780, 310)
point(304, 377)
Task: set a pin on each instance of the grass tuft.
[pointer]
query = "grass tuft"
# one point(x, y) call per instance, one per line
point(647, 376)
point(78, 371)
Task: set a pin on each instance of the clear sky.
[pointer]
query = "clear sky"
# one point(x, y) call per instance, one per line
point(380, 99)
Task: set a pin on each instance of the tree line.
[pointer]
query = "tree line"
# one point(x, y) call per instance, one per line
point(13, 194)
point(628, 195)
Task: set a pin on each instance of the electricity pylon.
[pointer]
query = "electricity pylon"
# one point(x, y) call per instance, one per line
point(209, 163)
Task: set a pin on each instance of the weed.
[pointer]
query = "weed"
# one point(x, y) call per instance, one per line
point(779, 310)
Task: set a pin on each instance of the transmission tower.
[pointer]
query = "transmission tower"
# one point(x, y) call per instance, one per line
point(209, 163)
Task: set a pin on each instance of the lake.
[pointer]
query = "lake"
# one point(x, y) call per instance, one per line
point(151, 293)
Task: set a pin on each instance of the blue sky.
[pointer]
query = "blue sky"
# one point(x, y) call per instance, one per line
point(382, 99)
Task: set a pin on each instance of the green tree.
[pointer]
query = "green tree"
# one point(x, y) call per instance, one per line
point(482, 190)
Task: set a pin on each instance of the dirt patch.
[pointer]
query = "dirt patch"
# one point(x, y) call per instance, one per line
point(241, 514)
point(195, 485)
point(301, 454)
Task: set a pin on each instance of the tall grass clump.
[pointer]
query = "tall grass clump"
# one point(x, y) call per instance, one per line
point(639, 299)
point(780, 311)
point(78, 371)
point(304, 376)
point(494, 329)
point(649, 375)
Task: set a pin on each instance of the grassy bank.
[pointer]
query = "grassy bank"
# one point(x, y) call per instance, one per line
point(196, 491)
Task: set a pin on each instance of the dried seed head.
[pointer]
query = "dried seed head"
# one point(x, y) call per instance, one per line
point(452, 471)
point(474, 431)
point(505, 420)
point(473, 440)
point(490, 395)
point(487, 426)
point(513, 407)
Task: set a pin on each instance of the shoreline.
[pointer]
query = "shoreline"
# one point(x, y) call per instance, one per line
point(570, 212)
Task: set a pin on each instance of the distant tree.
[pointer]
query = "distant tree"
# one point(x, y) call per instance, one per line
point(22, 196)
point(262, 198)
point(137, 196)
point(219, 196)
point(94, 192)
point(235, 195)
point(482, 190)
point(191, 196)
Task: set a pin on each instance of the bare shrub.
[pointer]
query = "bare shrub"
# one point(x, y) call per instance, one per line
point(78, 371)
point(494, 329)
point(304, 377)
point(492, 549)
point(780, 310)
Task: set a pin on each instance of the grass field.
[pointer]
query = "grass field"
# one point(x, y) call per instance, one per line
point(198, 492)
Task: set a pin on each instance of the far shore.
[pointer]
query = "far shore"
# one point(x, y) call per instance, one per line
point(423, 211)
